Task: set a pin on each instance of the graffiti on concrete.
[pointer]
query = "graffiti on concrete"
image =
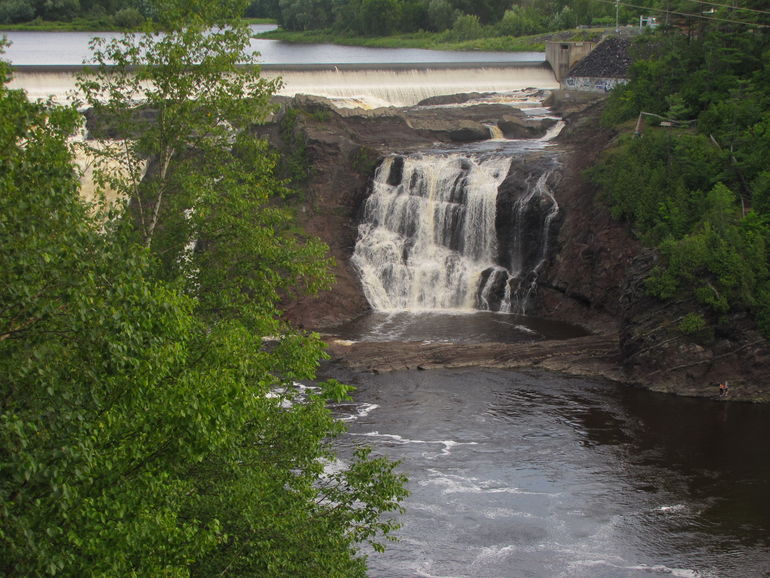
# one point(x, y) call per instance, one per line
point(589, 84)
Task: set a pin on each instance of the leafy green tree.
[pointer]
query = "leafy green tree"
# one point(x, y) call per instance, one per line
point(305, 14)
point(13, 11)
point(519, 21)
point(488, 11)
point(128, 18)
point(264, 9)
point(441, 15)
point(150, 421)
point(380, 17)
point(59, 9)
point(702, 198)
point(414, 16)
point(466, 27)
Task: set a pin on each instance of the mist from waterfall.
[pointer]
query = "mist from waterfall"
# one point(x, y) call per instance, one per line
point(430, 234)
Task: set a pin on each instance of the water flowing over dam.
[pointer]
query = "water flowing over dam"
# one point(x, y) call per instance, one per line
point(408, 84)
point(367, 85)
point(455, 231)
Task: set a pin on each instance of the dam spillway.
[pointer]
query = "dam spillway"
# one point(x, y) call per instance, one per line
point(368, 85)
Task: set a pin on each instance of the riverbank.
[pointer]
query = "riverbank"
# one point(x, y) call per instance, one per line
point(424, 40)
point(438, 40)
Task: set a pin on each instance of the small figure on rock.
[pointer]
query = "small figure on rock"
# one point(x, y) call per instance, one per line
point(723, 389)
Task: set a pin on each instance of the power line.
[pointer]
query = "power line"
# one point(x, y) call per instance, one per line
point(732, 7)
point(687, 14)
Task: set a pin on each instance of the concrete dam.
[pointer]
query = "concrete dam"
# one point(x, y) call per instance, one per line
point(351, 84)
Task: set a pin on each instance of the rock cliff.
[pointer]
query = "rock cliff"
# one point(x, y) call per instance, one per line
point(594, 277)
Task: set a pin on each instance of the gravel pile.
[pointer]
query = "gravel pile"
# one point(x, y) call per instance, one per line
point(610, 59)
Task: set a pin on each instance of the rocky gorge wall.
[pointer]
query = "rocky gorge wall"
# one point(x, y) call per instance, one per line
point(594, 276)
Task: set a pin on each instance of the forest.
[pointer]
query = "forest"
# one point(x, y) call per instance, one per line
point(693, 180)
point(466, 19)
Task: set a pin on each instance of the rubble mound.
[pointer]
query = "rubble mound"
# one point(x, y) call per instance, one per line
point(610, 59)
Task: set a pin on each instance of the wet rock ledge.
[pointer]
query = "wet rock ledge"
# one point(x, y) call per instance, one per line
point(589, 356)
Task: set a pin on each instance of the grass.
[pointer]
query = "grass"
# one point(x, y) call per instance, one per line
point(427, 40)
point(437, 40)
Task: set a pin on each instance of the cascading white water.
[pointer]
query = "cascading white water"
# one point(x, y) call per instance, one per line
point(428, 239)
point(516, 301)
point(428, 231)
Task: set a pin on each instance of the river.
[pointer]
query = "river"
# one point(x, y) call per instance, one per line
point(516, 475)
point(71, 48)
point(46, 64)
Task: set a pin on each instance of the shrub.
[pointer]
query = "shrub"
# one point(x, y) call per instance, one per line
point(467, 27)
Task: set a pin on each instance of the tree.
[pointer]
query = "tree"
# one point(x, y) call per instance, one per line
point(380, 17)
point(13, 11)
point(519, 21)
point(59, 9)
point(467, 27)
point(441, 15)
point(305, 14)
point(150, 421)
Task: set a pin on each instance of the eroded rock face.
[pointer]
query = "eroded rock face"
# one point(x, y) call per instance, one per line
point(584, 280)
point(655, 350)
point(595, 276)
point(581, 283)
point(342, 148)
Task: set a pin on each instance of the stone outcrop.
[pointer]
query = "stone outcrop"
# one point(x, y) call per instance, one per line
point(591, 356)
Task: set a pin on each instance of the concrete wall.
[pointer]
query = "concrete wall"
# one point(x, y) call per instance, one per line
point(564, 55)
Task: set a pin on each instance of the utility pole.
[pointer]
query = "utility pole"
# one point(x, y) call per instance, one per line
point(617, 20)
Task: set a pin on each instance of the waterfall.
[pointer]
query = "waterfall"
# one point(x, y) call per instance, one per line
point(431, 236)
point(532, 215)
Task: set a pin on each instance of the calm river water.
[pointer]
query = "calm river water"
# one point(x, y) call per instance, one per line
point(71, 48)
point(537, 475)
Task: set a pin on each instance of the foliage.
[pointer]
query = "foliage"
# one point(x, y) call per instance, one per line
point(692, 323)
point(466, 27)
point(293, 163)
point(305, 14)
point(380, 17)
point(700, 197)
point(658, 183)
point(404, 16)
point(485, 17)
point(128, 18)
point(427, 40)
point(520, 21)
point(13, 11)
point(151, 421)
point(441, 15)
